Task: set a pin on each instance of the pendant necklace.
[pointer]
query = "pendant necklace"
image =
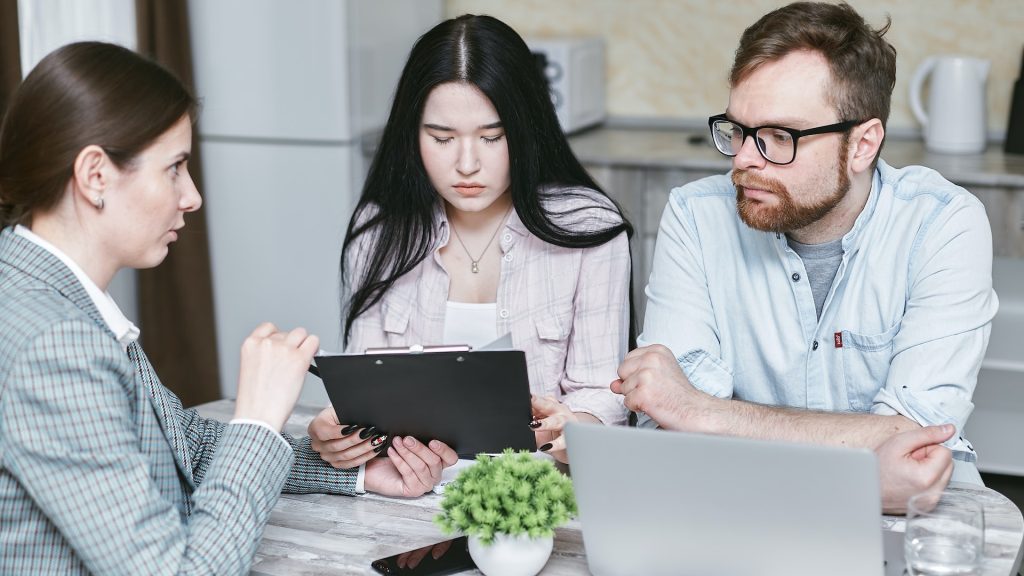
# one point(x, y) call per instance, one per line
point(475, 262)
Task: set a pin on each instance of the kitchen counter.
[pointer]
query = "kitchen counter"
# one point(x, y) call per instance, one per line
point(692, 150)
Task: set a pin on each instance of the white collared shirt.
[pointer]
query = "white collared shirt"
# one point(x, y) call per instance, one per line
point(119, 324)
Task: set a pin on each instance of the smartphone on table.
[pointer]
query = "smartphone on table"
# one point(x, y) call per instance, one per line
point(448, 557)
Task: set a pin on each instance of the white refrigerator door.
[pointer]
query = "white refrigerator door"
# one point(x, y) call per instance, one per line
point(288, 88)
point(277, 219)
point(381, 34)
point(272, 68)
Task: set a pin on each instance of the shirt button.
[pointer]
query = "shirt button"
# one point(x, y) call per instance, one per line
point(506, 238)
point(815, 345)
point(795, 277)
point(508, 257)
point(503, 313)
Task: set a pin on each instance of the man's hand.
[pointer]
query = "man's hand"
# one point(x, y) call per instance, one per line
point(913, 462)
point(652, 382)
point(411, 468)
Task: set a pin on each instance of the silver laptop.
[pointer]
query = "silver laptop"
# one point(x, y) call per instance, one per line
point(671, 503)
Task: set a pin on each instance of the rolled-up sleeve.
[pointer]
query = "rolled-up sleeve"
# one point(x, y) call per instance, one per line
point(679, 311)
point(938, 350)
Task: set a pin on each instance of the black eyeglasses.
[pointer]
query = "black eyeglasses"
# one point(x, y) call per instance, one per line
point(777, 144)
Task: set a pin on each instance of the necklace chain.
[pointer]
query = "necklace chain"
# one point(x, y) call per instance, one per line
point(475, 262)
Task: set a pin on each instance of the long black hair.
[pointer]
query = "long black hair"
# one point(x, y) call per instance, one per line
point(398, 202)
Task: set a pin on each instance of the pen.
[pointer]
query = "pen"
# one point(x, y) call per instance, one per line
point(312, 367)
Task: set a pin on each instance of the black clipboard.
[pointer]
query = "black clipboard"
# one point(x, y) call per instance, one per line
point(476, 402)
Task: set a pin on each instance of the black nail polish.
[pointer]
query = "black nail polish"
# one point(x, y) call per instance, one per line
point(378, 439)
point(380, 448)
point(367, 432)
point(545, 447)
point(349, 429)
point(535, 424)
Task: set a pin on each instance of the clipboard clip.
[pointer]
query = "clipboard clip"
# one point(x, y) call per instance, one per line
point(414, 349)
point(420, 349)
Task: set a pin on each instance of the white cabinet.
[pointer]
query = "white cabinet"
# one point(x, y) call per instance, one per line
point(996, 426)
point(642, 194)
point(276, 222)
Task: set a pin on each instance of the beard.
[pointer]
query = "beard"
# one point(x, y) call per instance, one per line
point(786, 215)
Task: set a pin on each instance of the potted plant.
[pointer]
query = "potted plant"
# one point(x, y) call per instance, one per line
point(509, 506)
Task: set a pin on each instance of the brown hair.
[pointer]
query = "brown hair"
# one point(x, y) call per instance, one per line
point(862, 63)
point(81, 94)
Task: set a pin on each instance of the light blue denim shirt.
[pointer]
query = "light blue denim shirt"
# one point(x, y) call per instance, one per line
point(904, 326)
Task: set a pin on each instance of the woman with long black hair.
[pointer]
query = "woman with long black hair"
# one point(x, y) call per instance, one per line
point(477, 220)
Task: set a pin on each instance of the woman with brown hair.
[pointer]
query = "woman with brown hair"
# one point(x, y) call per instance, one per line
point(101, 469)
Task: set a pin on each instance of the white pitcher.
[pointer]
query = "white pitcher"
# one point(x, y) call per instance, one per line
point(955, 122)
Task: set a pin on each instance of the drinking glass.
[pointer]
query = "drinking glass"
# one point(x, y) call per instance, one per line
point(945, 534)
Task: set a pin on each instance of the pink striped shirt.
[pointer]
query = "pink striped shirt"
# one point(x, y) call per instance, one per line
point(568, 309)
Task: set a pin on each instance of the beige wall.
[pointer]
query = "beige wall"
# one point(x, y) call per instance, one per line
point(669, 58)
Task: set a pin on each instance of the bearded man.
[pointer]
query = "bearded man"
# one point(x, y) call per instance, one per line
point(814, 293)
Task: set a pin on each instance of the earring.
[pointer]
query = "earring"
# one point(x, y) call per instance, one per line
point(98, 203)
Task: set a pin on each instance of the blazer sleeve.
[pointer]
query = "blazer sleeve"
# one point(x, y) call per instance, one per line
point(71, 440)
point(309, 474)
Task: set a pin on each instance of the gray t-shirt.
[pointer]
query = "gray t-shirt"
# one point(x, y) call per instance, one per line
point(822, 262)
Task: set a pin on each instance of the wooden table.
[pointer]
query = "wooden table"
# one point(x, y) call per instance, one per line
point(314, 534)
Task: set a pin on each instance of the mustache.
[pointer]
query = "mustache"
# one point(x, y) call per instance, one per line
point(744, 179)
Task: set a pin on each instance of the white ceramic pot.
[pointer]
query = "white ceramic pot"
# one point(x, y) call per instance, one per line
point(511, 555)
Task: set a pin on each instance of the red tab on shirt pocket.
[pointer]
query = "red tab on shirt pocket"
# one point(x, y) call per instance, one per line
point(839, 339)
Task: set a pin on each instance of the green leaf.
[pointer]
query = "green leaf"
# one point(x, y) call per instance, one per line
point(514, 493)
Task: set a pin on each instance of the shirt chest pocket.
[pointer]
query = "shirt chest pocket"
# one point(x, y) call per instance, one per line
point(396, 310)
point(552, 344)
point(551, 328)
point(866, 360)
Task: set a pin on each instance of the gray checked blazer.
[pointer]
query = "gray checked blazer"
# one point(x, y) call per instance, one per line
point(101, 469)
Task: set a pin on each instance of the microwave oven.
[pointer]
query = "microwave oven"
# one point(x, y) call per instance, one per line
point(575, 71)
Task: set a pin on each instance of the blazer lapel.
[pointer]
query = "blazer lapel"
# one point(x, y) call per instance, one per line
point(33, 260)
point(166, 408)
